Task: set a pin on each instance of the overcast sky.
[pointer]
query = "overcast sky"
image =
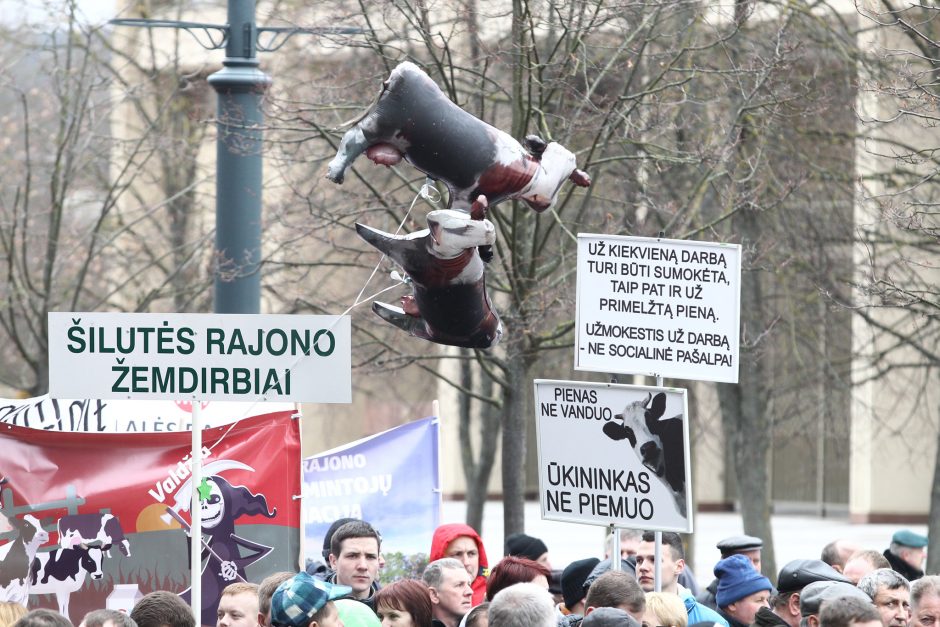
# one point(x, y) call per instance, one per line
point(16, 12)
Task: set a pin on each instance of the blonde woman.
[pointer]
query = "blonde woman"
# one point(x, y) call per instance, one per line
point(10, 613)
point(664, 609)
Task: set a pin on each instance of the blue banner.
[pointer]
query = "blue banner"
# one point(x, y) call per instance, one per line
point(390, 479)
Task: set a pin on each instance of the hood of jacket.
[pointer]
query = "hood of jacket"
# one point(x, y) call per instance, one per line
point(445, 534)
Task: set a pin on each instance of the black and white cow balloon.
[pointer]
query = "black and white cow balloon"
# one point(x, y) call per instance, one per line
point(449, 304)
point(413, 120)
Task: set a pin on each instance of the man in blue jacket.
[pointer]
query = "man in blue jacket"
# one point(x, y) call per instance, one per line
point(672, 558)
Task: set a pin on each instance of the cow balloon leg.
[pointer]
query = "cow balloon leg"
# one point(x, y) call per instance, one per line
point(410, 323)
point(352, 145)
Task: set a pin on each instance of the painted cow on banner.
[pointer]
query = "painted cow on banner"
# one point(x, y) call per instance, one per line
point(16, 557)
point(102, 530)
point(413, 120)
point(63, 571)
point(449, 304)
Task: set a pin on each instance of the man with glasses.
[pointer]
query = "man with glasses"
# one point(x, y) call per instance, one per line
point(891, 593)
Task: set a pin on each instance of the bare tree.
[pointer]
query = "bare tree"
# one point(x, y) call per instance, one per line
point(897, 291)
point(684, 118)
point(72, 227)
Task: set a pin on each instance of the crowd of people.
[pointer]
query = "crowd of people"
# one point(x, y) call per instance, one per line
point(847, 586)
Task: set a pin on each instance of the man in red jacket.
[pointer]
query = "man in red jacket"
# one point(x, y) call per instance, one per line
point(463, 543)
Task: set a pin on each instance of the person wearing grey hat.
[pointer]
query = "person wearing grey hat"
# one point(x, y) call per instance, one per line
point(609, 617)
point(748, 546)
point(848, 612)
point(891, 593)
point(814, 594)
point(907, 553)
point(793, 577)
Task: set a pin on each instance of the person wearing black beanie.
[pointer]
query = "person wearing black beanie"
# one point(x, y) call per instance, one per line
point(573, 590)
point(521, 545)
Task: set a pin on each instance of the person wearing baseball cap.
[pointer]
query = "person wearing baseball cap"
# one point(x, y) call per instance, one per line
point(907, 553)
point(742, 591)
point(303, 601)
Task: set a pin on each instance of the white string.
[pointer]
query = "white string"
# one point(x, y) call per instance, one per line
point(433, 196)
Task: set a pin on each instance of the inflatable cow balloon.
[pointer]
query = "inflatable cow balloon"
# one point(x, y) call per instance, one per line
point(413, 120)
point(449, 304)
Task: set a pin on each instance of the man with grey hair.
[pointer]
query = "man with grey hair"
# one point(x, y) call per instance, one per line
point(522, 605)
point(925, 602)
point(449, 588)
point(107, 618)
point(629, 542)
point(891, 593)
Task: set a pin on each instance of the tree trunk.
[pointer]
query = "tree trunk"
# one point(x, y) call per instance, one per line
point(515, 412)
point(477, 465)
point(744, 409)
point(933, 525)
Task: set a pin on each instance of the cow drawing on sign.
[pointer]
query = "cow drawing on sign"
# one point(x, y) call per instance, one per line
point(16, 557)
point(413, 120)
point(102, 530)
point(657, 442)
point(226, 564)
point(62, 572)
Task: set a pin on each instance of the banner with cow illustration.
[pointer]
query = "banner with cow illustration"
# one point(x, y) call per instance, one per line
point(95, 520)
point(390, 479)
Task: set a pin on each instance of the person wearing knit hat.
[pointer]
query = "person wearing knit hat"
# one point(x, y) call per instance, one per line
point(521, 545)
point(573, 590)
point(748, 546)
point(670, 564)
point(742, 591)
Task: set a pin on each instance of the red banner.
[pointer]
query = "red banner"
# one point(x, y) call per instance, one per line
point(90, 513)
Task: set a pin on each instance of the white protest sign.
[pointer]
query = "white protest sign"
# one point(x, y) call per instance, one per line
point(229, 357)
point(614, 455)
point(657, 306)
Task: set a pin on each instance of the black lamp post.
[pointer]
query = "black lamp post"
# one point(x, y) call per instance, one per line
point(240, 86)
